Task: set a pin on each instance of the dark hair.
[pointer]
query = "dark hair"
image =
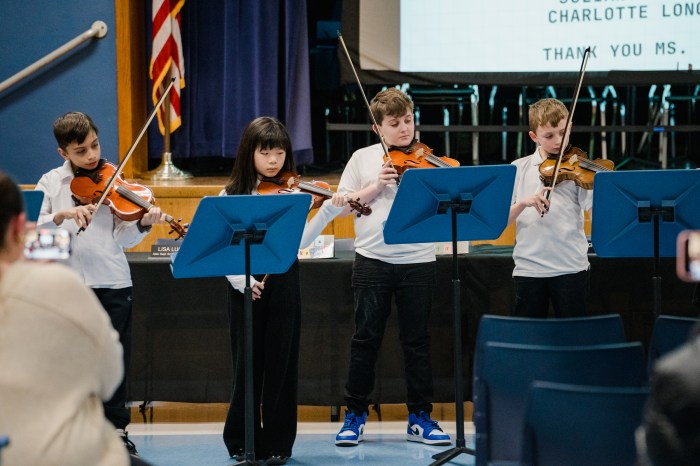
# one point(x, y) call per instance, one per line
point(11, 204)
point(72, 127)
point(263, 133)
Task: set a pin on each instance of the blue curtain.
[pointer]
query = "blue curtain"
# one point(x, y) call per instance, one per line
point(243, 59)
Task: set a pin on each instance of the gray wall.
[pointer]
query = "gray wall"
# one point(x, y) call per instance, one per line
point(83, 80)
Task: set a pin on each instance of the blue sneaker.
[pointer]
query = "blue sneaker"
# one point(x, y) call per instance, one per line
point(423, 429)
point(353, 428)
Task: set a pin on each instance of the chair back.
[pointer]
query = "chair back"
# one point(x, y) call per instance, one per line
point(570, 331)
point(669, 333)
point(508, 370)
point(580, 425)
point(4, 441)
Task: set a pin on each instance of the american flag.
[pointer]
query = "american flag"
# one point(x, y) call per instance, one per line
point(166, 52)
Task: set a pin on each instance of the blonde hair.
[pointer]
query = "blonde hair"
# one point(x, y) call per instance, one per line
point(391, 102)
point(546, 111)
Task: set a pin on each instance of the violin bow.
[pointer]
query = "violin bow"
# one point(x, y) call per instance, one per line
point(131, 150)
point(362, 91)
point(565, 142)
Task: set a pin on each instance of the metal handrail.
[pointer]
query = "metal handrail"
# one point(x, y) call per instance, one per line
point(98, 29)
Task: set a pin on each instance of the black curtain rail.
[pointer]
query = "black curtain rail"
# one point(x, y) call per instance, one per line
point(362, 127)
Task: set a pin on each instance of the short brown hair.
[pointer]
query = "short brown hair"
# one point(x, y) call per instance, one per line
point(391, 102)
point(546, 111)
point(72, 127)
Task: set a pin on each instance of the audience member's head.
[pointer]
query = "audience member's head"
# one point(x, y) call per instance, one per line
point(12, 220)
point(671, 431)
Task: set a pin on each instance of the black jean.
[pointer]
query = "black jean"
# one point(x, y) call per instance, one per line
point(374, 283)
point(118, 304)
point(276, 333)
point(569, 295)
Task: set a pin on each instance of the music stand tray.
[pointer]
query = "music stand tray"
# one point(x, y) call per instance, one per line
point(208, 248)
point(641, 213)
point(247, 234)
point(452, 204)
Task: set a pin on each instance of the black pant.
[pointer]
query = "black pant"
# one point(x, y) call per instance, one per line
point(374, 283)
point(276, 328)
point(117, 303)
point(569, 295)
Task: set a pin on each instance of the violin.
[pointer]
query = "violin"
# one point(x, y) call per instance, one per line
point(128, 201)
point(575, 165)
point(288, 182)
point(417, 155)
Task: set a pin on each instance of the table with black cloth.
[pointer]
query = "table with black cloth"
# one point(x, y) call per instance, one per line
point(181, 350)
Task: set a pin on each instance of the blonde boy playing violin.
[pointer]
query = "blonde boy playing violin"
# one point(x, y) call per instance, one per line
point(381, 271)
point(551, 249)
point(98, 251)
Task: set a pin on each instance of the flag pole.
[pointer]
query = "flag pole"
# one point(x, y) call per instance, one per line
point(167, 169)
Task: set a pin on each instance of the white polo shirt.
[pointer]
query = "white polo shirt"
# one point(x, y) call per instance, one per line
point(555, 244)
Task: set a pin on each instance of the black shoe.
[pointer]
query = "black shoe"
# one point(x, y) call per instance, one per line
point(130, 447)
point(276, 459)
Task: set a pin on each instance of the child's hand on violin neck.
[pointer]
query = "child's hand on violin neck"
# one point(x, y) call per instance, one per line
point(153, 216)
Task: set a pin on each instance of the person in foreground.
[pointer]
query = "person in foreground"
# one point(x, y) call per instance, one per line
point(670, 434)
point(265, 151)
point(551, 249)
point(382, 271)
point(98, 251)
point(59, 357)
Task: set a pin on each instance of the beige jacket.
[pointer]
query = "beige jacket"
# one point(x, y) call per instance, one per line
point(59, 358)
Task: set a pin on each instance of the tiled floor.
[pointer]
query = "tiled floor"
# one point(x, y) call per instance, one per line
point(194, 444)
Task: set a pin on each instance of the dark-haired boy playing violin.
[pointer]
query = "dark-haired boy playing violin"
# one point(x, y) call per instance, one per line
point(380, 271)
point(551, 249)
point(98, 251)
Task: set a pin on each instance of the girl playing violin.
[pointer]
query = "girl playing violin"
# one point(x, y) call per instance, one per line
point(265, 151)
point(98, 252)
point(551, 249)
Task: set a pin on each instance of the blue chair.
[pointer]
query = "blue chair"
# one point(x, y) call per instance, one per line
point(4, 441)
point(572, 331)
point(669, 333)
point(508, 370)
point(577, 425)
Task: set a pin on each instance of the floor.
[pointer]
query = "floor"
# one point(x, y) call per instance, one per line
point(193, 444)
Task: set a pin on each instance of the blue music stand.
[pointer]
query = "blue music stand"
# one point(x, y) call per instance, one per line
point(226, 232)
point(455, 204)
point(32, 204)
point(640, 213)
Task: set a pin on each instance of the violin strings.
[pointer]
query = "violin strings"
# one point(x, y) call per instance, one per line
point(133, 197)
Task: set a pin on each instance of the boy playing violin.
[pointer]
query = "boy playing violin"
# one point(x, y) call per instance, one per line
point(380, 271)
point(98, 251)
point(551, 249)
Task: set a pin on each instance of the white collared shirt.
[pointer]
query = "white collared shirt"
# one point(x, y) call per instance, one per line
point(97, 252)
point(555, 244)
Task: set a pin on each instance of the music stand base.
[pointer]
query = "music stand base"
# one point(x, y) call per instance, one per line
point(447, 455)
point(167, 170)
point(249, 461)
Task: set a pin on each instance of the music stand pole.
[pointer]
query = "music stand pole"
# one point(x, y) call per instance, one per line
point(460, 442)
point(249, 456)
